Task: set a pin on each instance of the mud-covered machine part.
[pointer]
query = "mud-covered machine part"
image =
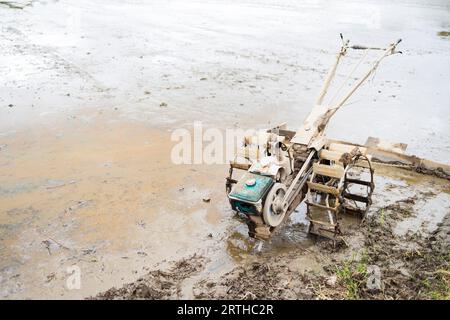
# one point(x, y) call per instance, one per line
point(334, 183)
point(341, 182)
point(265, 209)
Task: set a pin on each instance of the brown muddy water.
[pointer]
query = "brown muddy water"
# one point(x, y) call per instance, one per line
point(91, 91)
point(106, 197)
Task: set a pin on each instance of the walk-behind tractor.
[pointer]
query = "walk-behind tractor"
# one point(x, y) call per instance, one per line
point(332, 177)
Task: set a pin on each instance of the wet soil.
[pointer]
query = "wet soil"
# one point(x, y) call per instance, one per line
point(229, 64)
point(102, 194)
point(90, 93)
point(158, 284)
point(412, 265)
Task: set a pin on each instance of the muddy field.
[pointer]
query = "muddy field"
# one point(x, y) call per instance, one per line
point(409, 247)
point(91, 91)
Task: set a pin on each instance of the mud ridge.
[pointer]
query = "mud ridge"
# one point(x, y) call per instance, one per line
point(157, 284)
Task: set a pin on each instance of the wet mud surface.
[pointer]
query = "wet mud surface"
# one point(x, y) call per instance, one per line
point(411, 265)
point(102, 195)
point(158, 284)
point(90, 93)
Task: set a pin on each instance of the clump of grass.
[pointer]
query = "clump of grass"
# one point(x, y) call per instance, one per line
point(441, 288)
point(444, 33)
point(353, 274)
point(345, 275)
point(437, 285)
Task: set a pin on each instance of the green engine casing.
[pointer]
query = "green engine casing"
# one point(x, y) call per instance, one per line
point(248, 198)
